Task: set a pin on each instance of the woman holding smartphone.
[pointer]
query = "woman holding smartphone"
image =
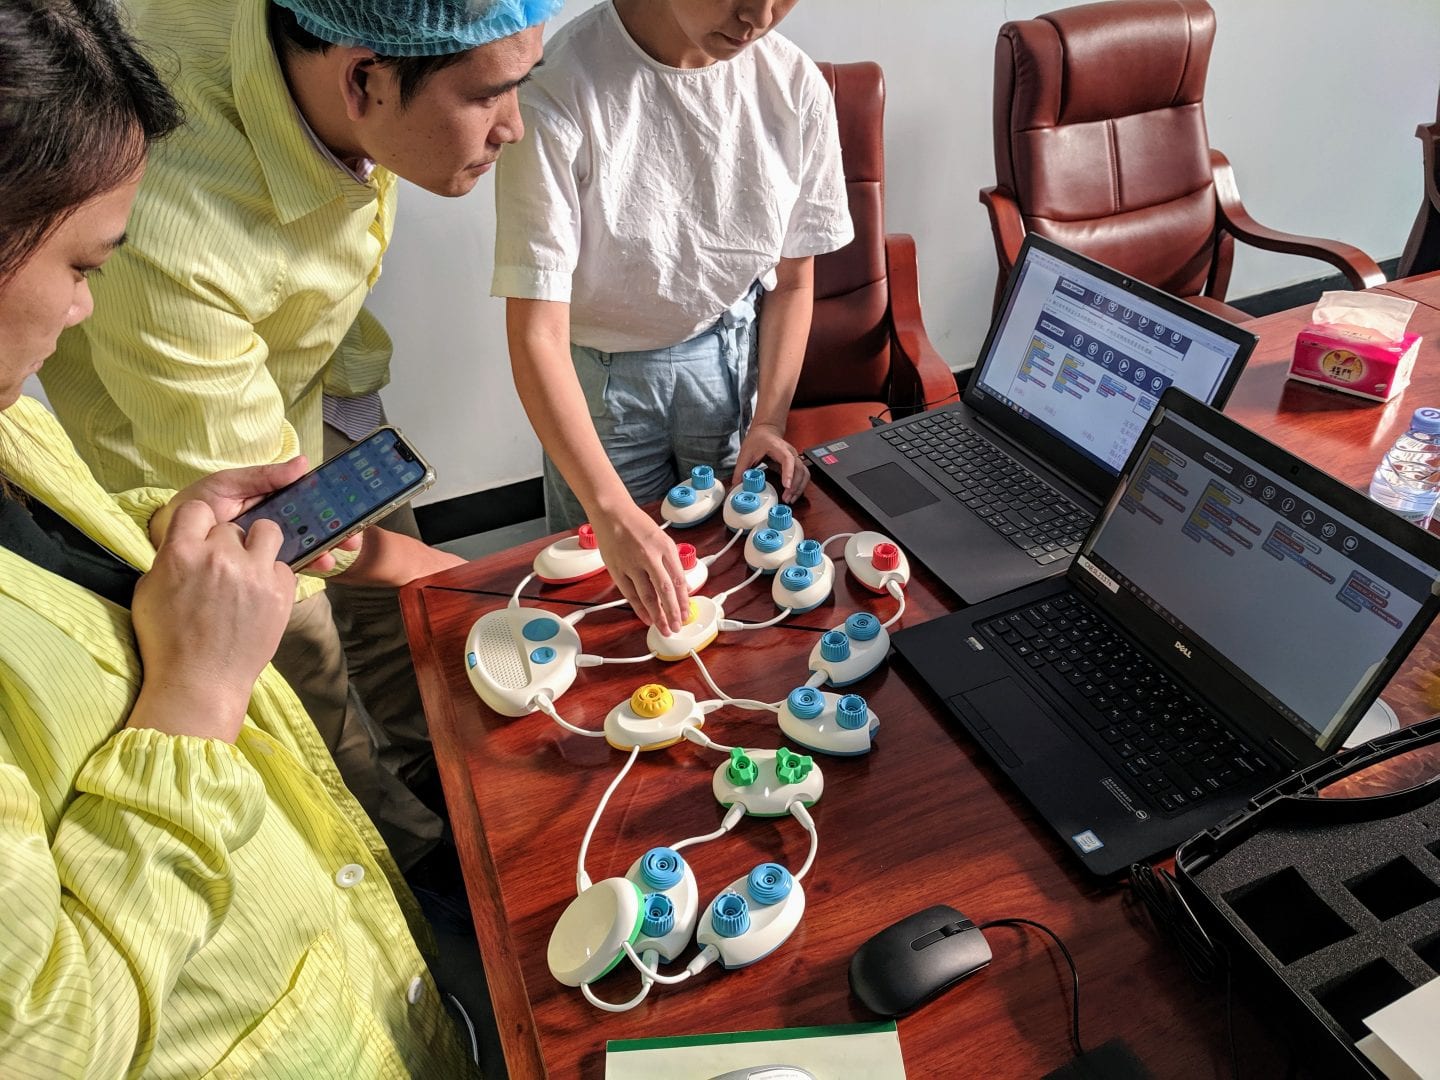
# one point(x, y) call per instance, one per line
point(188, 887)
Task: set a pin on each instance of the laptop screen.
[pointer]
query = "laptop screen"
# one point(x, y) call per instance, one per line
point(1299, 601)
point(1087, 358)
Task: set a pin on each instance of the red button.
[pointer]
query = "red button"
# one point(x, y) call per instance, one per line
point(688, 558)
point(587, 537)
point(885, 557)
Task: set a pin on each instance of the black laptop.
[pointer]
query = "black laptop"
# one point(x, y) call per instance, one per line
point(1228, 620)
point(998, 490)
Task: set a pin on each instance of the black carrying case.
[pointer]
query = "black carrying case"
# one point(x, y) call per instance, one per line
point(1327, 908)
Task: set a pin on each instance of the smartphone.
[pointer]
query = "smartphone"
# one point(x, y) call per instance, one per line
point(349, 491)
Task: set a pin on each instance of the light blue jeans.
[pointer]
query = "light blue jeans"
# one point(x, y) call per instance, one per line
point(660, 412)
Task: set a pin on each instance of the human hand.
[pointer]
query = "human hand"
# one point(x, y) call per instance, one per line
point(208, 618)
point(231, 492)
point(645, 567)
point(765, 440)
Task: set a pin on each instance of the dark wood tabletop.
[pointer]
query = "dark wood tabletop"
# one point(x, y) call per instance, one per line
point(922, 819)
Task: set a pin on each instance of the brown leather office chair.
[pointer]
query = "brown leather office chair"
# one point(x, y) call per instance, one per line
point(1101, 145)
point(1422, 249)
point(868, 350)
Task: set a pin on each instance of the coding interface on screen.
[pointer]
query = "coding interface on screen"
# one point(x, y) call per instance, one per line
point(1089, 360)
point(1303, 601)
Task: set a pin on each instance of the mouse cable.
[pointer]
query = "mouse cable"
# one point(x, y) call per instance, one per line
point(1070, 960)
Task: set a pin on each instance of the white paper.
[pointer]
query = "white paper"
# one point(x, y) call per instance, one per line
point(1375, 315)
point(874, 1055)
point(1409, 1029)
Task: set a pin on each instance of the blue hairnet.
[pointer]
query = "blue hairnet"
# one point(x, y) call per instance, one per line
point(418, 27)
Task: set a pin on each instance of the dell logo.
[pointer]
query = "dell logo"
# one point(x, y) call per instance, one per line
point(1184, 649)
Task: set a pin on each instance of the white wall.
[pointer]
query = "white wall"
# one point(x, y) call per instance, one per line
point(1315, 103)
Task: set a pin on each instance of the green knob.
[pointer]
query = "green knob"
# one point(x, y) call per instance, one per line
point(742, 770)
point(791, 767)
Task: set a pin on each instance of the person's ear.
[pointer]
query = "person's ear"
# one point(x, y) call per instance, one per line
point(359, 73)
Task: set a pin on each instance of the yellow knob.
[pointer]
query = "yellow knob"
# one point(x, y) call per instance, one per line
point(693, 613)
point(651, 700)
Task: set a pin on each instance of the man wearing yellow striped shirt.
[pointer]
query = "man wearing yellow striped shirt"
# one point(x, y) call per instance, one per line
point(230, 329)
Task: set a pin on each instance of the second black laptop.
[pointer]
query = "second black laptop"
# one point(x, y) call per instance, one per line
point(997, 491)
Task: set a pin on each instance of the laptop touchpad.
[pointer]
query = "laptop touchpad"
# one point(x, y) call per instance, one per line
point(1022, 723)
point(892, 489)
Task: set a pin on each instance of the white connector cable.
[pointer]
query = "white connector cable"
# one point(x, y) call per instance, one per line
point(706, 957)
point(897, 590)
point(726, 699)
point(543, 703)
point(515, 596)
point(582, 879)
point(731, 819)
point(799, 812)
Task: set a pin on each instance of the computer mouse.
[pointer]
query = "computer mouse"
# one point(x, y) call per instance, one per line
point(907, 964)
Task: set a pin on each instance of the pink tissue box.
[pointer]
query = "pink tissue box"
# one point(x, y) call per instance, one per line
point(1353, 363)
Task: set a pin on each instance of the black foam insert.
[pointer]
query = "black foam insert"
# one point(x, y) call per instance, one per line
point(1393, 888)
point(1429, 951)
point(1434, 849)
point(1351, 998)
point(1287, 915)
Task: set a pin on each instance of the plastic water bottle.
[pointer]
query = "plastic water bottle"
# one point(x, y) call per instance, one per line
point(1407, 480)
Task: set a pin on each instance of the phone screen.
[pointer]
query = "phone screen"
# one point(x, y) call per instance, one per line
point(323, 503)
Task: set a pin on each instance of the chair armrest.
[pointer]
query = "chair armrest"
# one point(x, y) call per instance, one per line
point(1008, 228)
point(919, 376)
point(1361, 270)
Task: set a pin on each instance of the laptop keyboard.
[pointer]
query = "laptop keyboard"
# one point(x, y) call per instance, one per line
point(1007, 496)
point(1170, 745)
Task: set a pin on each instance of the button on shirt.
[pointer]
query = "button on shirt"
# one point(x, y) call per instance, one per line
point(652, 198)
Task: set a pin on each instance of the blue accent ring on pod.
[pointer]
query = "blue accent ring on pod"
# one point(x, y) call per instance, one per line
point(835, 646)
point(769, 883)
point(851, 712)
point(781, 517)
point(730, 915)
point(862, 626)
point(659, 917)
point(806, 703)
point(681, 495)
point(702, 477)
point(661, 868)
point(795, 578)
point(768, 541)
point(808, 553)
point(753, 481)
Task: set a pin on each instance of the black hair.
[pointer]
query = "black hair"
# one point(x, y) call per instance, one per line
point(79, 107)
point(410, 71)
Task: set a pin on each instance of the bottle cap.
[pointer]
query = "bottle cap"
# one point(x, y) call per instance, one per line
point(808, 553)
point(730, 915)
point(661, 868)
point(885, 557)
point(702, 477)
point(681, 495)
point(851, 712)
point(753, 480)
point(1426, 420)
point(806, 703)
point(659, 916)
point(688, 558)
point(781, 518)
point(835, 646)
point(768, 541)
point(586, 533)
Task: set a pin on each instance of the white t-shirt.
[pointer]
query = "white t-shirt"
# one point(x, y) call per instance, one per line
point(652, 198)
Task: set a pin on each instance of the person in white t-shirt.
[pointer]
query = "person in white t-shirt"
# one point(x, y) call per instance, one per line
point(682, 162)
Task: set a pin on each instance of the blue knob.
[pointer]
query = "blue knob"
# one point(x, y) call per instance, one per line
point(862, 626)
point(745, 502)
point(808, 553)
point(730, 915)
point(661, 868)
point(851, 712)
point(753, 480)
point(769, 883)
point(542, 655)
point(795, 578)
point(835, 646)
point(540, 629)
point(702, 477)
point(659, 916)
point(768, 541)
point(781, 518)
point(806, 703)
point(681, 495)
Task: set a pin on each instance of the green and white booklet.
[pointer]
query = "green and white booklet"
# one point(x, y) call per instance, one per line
point(827, 1053)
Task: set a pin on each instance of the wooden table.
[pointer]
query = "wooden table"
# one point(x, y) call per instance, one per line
point(923, 819)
